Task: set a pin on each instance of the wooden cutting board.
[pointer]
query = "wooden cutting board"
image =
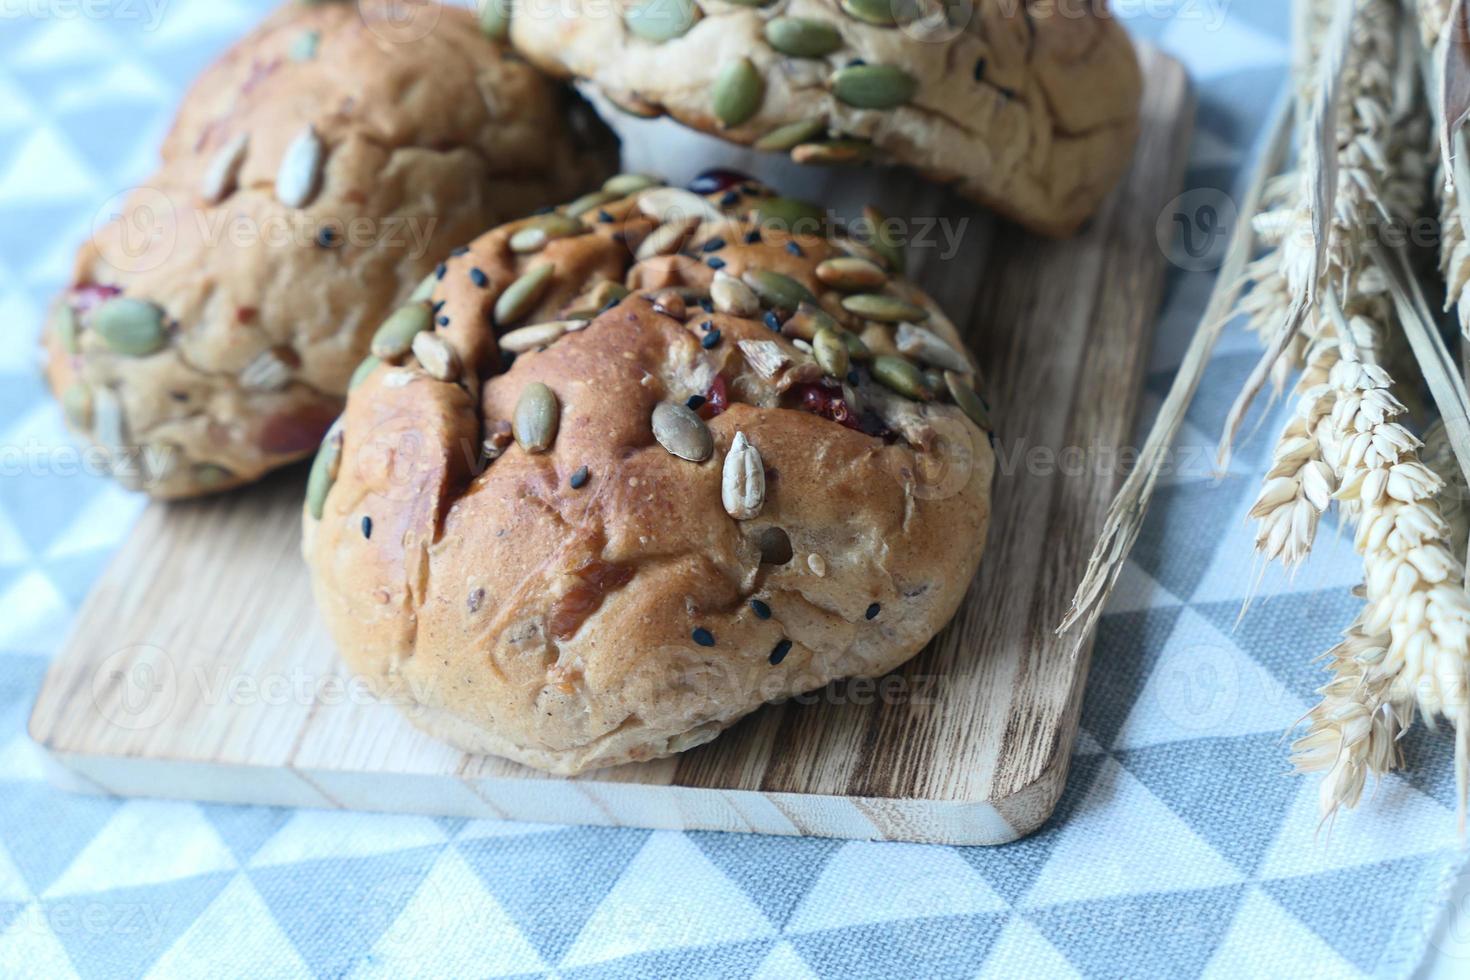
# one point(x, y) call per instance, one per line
point(198, 668)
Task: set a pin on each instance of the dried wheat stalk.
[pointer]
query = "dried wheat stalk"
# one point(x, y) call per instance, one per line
point(1435, 23)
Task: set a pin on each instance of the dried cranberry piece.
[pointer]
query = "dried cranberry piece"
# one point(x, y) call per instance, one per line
point(828, 403)
point(85, 299)
point(716, 400)
point(715, 180)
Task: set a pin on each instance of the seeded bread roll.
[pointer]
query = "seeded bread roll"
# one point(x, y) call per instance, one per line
point(731, 461)
point(1027, 106)
point(314, 175)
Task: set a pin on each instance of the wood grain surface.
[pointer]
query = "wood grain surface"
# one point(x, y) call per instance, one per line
point(198, 668)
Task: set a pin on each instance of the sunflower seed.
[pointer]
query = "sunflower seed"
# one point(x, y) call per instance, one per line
point(873, 86)
point(595, 300)
point(590, 202)
point(743, 480)
point(368, 366)
point(425, 289)
point(783, 138)
point(801, 37)
point(267, 372)
point(621, 185)
point(300, 173)
point(324, 471)
point(882, 239)
point(661, 20)
point(790, 215)
point(681, 432)
point(776, 289)
point(533, 236)
point(833, 153)
point(928, 347)
point(521, 296)
point(537, 416)
point(831, 353)
point(850, 274)
point(817, 564)
point(672, 203)
point(130, 326)
point(109, 427)
point(495, 18)
point(537, 335)
point(222, 175)
point(885, 309)
point(901, 376)
point(437, 357)
point(667, 238)
point(76, 402)
point(884, 13)
point(737, 92)
point(395, 337)
point(765, 357)
point(968, 400)
point(732, 296)
point(64, 325)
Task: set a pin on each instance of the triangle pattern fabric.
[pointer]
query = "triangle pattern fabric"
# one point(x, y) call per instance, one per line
point(774, 872)
point(43, 831)
point(237, 920)
point(1265, 940)
point(721, 960)
point(146, 842)
point(1130, 644)
point(954, 946)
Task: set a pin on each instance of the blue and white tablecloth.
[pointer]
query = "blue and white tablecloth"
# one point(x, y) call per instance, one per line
point(1181, 846)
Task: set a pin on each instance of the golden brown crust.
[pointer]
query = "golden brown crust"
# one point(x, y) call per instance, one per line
point(429, 132)
point(1029, 108)
point(515, 608)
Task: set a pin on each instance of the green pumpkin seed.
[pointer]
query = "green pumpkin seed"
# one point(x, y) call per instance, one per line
point(882, 240)
point(521, 296)
point(776, 289)
point(856, 349)
point(884, 309)
point(790, 214)
point(833, 153)
point(968, 400)
point(850, 274)
point(305, 45)
point(324, 472)
point(831, 353)
point(884, 13)
point(64, 325)
point(130, 326)
point(622, 185)
point(424, 289)
point(783, 138)
point(682, 432)
point(901, 376)
point(537, 416)
point(395, 337)
point(806, 321)
point(495, 18)
point(873, 86)
point(208, 475)
point(533, 236)
point(801, 37)
point(590, 202)
point(737, 92)
point(368, 366)
point(661, 20)
point(927, 347)
point(76, 402)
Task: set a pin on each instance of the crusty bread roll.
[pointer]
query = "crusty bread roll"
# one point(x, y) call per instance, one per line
point(1027, 106)
point(675, 504)
point(314, 175)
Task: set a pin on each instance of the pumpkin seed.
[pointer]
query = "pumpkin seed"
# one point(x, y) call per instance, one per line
point(682, 432)
point(597, 299)
point(833, 153)
point(533, 236)
point(850, 274)
point(223, 174)
point(209, 476)
point(324, 472)
point(743, 480)
point(368, 366)
point(520, 297)
point(437, 357)
point(305, 45)
point(661, 20)
point(873, 86)
point(802, 37)
point(590, 202)
point(883, 241)
point(831, 352)
point(64, 325)
point(737, 92)
point(901, 375)
point(776, 289)
point(856, 349)
point(790, 214)
point(878, 338)
point(968, 400)
point(76, 402)
point(425, 289)
point(537, 416)
point(672, 203)
point(884, 13)
point(495, 18)
point(928, 347)
point(300, 173)
point(395, 337)
point(622, 185)
point(538, 335)
point(732, 296)
point(884, 309)
point(130, 326)
point(783, 138)
point(807, 320)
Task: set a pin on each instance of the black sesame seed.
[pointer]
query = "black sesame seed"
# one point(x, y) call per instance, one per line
point(609, 305)
point(710, 339)
point(715, 262)
point(462, 250)
point(779, 654)
point(707, 304)
point(367, 526)
point(478, 277)
point(761, 610)
point(439, 305)
point(730, 199)
point(707, 326)
point(980, 70)
point(604, 217)
point(579, 478)
point(852, 377)
point(545, 209)
point(326, 238)
point(713, 245)
point(794, 248)
point(873, 611)
point(856, 63)
point(753, 237)
point(440, 270)
point(703, 637)
point(694, 403)
point(772, 320)
point(443, 321)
